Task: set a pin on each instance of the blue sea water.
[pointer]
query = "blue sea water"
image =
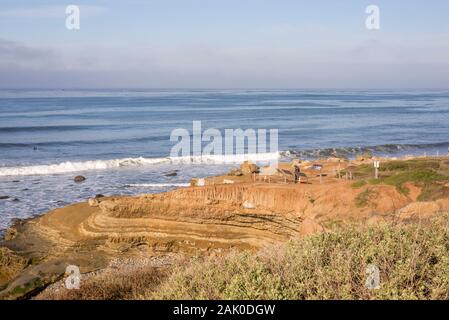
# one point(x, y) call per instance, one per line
point(119, 139)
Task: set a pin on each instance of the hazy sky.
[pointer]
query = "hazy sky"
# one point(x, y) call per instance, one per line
point(224, 44)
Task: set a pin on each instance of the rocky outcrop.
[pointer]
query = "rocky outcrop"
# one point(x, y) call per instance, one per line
point(248, 167)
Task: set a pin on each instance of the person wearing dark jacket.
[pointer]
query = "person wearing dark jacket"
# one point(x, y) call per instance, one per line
point(296, 172)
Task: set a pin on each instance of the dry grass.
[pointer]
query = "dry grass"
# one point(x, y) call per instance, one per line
point(111, 285)
point(413, 261)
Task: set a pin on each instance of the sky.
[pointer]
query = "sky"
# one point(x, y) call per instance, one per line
point(224, 44)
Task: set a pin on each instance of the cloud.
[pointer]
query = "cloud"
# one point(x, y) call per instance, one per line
point(19, 55)
point(370, 64)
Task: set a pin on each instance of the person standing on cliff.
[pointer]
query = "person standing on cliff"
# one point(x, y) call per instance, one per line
point(296, 172)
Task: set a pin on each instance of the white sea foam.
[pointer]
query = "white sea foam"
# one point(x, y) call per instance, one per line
point(157, 185)
point(67, 167)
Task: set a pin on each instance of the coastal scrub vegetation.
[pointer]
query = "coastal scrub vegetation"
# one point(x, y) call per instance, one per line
point(413, 260)
point(364, 198)
point(430, 175)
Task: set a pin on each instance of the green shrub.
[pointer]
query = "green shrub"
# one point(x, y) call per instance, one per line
point(421, 178)
point(364, 198)
point(359, 184)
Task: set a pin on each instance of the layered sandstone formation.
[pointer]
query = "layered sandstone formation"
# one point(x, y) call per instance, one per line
point(244, 214)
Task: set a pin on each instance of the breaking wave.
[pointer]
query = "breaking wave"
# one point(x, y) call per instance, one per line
point(386, 149)
point(69, 166)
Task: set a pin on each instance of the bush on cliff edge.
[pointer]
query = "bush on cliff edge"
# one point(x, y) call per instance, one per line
point(413, 261)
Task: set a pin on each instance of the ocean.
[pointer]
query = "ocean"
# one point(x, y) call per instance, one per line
point(120, 139)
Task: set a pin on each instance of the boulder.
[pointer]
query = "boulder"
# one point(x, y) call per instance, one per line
point(4, 197)
point(235, 172)
point(248, 167)
point(79, 179)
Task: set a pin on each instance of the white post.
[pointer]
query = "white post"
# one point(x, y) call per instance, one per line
point(376, 169)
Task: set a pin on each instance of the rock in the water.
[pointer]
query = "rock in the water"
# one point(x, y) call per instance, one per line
point(171, 174)
point(248, 167)
point(4, 197)
point(79, 179)
point(248, 205)
point(99, 196)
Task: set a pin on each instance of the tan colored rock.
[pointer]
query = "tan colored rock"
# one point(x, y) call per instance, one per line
point(235, 172)
point(94, 202)
point(248, 167)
